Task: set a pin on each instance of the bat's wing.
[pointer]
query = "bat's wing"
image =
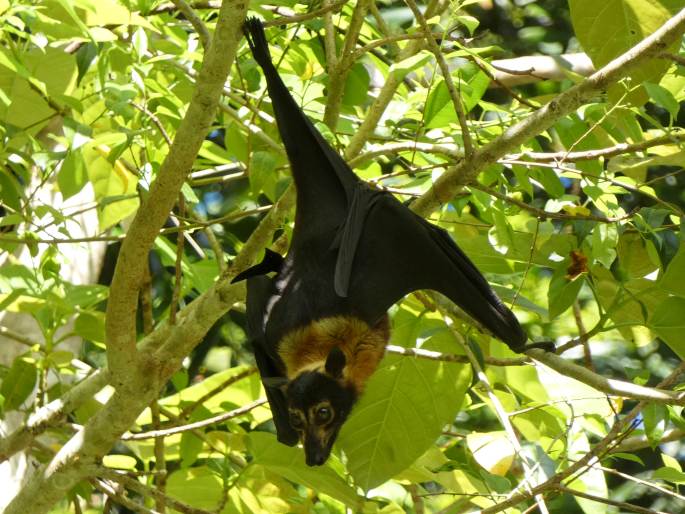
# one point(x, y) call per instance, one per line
point(272, 262)
point(323, 179)
point(384, 251)
point(259, 290)
point(399, 252)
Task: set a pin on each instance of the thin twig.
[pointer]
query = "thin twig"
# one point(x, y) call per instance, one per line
point(299, 18)
point(198, 424)
point(154, 120)
point(451, 151)
point(16, 336)
point(543, 214)
point(450, 357)
point(120, 498)
point(160, 459)
point(607, 501)
point(582, 333)
point(178, 274)
point(611, 151)
point(188, 410)
point(214, 243)
point(196, 22)
point(130, 483)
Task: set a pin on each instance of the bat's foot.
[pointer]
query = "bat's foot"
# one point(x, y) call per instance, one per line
point(253, 29)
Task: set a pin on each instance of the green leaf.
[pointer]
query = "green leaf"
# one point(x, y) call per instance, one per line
point(501, 234)
point(18, 384)
point(549, 181)
point(670, 462)
point(668, 322)
point(204, 273)
point(628, 456)
point(439, 110)
point(191, 446)
point(114, 186)
point(492, 450)
point(591, 481)
point(238, 393)
point(85, 296)
point(199, 487)
point(403, 68)
point(470, 22)
point(263, 176)
point(609, 28)
point(574, 398)
point(669, 475)
point(52, 67)
point(672, 281)
point(289, 463)
point(654, 417)
point(663, 98)
point(634, 256)
point(72, 175)
point(119, 461)
point(562, 291)
point(508, 295)
point(356, 86)
point(60, 358)
point(604, 239)
point(404, 407)
point(260, 491)
point(90, 325)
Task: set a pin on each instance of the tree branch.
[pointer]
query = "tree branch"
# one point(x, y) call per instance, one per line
point(606, 385)
point(533, 68)
point(120, 323)
point(137, 373)
point(444, 187)
point(196, 22)
point(342, 64)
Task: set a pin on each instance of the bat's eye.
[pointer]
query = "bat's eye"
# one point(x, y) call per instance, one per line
point(296, 420)
point(323, 415)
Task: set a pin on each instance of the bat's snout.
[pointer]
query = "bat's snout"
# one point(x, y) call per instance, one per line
point(316, 458)
point(317, 449)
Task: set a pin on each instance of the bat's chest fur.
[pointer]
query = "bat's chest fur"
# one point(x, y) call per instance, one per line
point(306, 348)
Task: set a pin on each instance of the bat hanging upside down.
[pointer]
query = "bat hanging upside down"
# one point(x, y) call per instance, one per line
point(319, 327)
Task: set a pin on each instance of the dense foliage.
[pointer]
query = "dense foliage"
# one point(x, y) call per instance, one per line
point(127, 382)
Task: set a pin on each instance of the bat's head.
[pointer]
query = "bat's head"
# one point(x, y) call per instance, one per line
point(318, 405)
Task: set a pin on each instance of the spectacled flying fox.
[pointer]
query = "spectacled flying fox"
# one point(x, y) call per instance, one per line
point(319, 327)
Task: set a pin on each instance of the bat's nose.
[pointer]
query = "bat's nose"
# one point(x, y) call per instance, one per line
point(316, 459)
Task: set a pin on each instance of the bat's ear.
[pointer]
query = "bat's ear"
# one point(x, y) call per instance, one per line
point(335, 363)
point(275, 382)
